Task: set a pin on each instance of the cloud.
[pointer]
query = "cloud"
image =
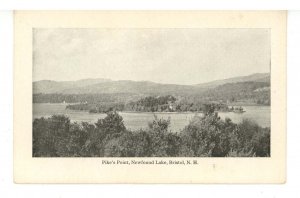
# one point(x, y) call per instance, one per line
point(182, 56)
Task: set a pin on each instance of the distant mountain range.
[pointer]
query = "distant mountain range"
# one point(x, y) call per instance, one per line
point(92, 86)
point(257, 77)
point(50, 86)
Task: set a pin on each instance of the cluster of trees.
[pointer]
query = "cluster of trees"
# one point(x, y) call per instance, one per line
point(250, 92)
point(170, 104)
point(206, 136)
point(149, 104)
point(102, 107)
point(153, 104)
point(184, 106)
point(151, 101)
point(84, 98)
point(146, 104)
point(263, 100)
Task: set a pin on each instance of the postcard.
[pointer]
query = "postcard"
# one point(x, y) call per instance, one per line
point(150, 97)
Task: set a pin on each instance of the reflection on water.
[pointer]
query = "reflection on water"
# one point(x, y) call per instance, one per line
point(259, 114)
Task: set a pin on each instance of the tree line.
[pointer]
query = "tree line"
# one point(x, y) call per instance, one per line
point(254, 92)
point(84, 98)
point(205, 136)
point(149, 104)
point(249, 92)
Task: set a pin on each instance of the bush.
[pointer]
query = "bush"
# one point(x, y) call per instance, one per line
point(112, 123)
point(253, 138)
point(206, 136)
point(210, 136)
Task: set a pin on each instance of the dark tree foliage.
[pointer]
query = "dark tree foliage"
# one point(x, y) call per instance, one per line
point(103, 107)
point(210, 136)
point(150, 104)
point(255, 92)
point(56, 136)
point(111, 124)
point(84, 98)
point(253, 139)
point(206, 136)
point(247, 92)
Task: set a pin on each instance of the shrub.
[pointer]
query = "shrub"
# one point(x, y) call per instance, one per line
point(206, 136)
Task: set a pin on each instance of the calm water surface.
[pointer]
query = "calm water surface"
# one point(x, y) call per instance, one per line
point(259, 114)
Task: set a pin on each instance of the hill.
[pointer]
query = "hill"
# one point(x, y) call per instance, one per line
point(50, 86)
point(92, 86)
point(248, 92)
point(135, 87)
point(257, 77)
point(254, 88)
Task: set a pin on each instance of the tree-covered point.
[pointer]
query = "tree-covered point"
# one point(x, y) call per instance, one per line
point(206, 136)
point(149, 104)
point(159, 100)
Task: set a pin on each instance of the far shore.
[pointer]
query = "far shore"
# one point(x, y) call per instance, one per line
point(154, 112)
point(230, 104)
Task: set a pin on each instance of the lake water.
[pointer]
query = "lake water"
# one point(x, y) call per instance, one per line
point(134, 121)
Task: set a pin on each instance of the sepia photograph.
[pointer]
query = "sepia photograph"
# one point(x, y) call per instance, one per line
point(165, 92)
point(126, 99)
point(150, 97)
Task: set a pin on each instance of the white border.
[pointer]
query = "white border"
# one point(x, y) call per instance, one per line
point(149, 4)
point(8, 189)
point(90, 170)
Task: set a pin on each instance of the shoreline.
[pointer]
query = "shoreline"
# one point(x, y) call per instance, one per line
point(148, 112)
point(245, 105)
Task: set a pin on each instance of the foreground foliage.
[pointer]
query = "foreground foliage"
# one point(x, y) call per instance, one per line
point(206, 136)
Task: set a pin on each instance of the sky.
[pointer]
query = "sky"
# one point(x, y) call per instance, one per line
point(173, 56)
